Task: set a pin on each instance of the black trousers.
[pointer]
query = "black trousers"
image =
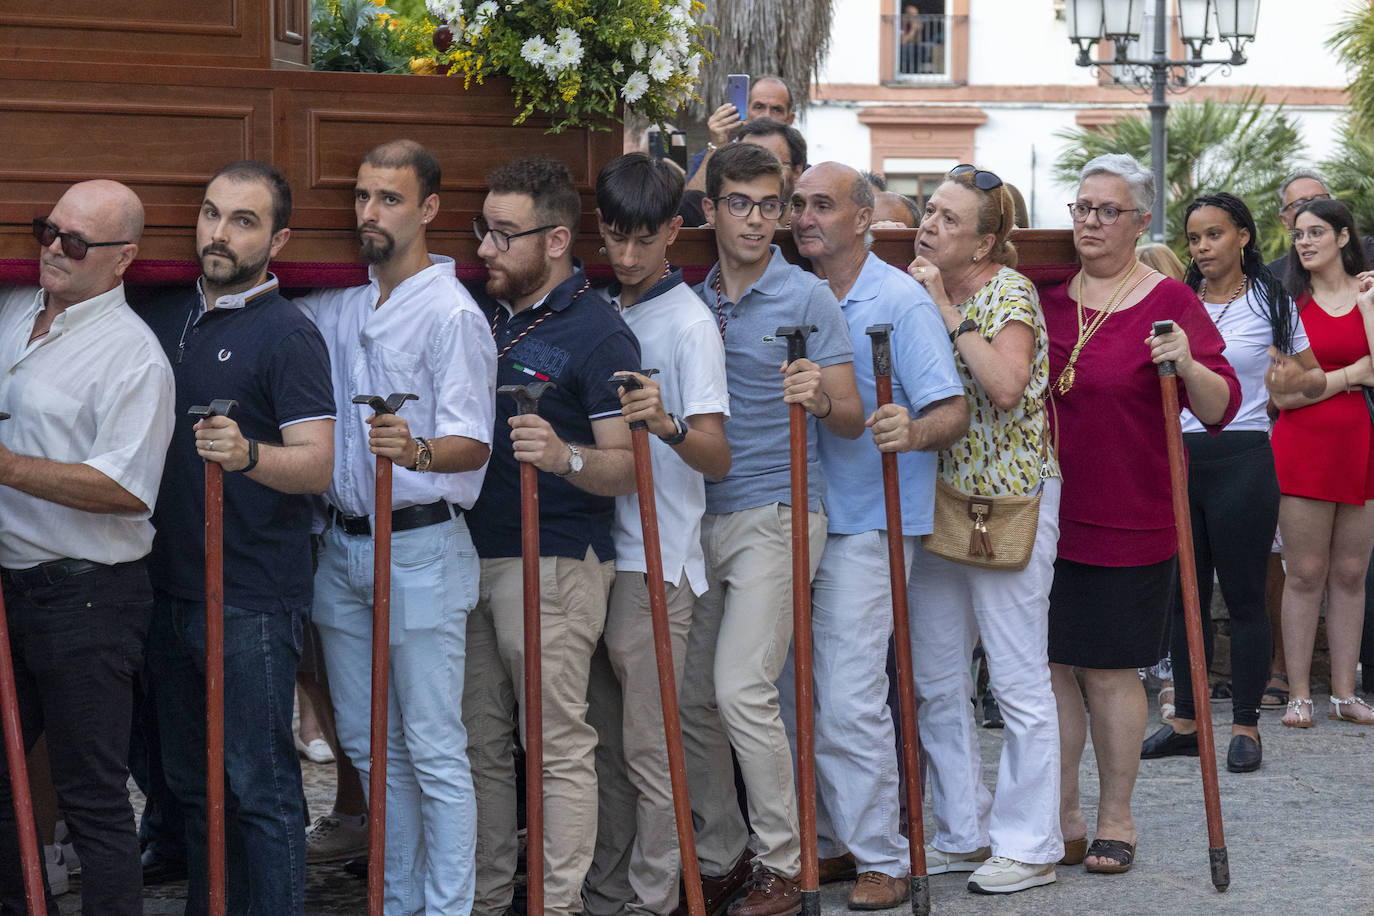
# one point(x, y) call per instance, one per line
point(1234, 497)
point(77, 647)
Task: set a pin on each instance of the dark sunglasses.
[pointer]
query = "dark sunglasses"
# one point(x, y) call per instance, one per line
point(982, 180)
point(73, 246)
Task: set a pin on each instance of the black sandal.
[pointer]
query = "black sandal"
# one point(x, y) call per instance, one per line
point(1275, 697)
point(1119, 856)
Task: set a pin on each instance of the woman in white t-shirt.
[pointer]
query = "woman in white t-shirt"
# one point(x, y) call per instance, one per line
point(1232, 487)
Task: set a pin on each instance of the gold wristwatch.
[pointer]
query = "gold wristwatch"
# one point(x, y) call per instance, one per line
point(424, 456)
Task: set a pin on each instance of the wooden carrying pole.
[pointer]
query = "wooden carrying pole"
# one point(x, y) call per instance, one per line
point(214, 667)
point(527, 402)
point(381, 663)
point(801, 636)
point(19, 769)
point(1192, 614)
point(901, 631)
point(663, 653)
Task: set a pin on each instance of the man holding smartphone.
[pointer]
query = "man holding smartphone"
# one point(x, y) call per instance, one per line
point(769, 97)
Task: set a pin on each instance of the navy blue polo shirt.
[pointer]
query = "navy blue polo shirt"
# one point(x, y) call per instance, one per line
point(268, 356)
point(580, 341)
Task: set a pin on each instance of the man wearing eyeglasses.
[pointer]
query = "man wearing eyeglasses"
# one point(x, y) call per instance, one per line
point(742, 625)
point(549, 326)
point(91, 400)
point(1295, 192)
point(413, 328)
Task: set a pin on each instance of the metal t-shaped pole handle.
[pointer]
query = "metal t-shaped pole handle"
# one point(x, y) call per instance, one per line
point(526, 396)
point(796, 339)
point(390, 404)
point(219, 407)
point(1164, 327)
point(633, 384)
point(881, 337)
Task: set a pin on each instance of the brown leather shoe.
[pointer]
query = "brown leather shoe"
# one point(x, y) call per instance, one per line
point(770, 894)
point(877, 891)
point(718, 891)
point(839, 868)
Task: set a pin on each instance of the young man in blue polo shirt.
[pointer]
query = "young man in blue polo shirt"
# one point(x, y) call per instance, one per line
point(234, 336)
point(858, 797)
point(548, 324)
point(636, 863)
point(742, 626)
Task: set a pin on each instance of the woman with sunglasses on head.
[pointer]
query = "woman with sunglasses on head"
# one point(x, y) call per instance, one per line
point(1117, 565)
point(1232, 488)
point(1011, 841)
point(1324, 454)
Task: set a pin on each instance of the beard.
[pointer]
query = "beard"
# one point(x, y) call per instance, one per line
point(231, 271)
point(511, 285)
point(376, 250)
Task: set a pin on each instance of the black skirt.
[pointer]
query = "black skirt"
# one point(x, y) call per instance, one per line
point(1110, 616)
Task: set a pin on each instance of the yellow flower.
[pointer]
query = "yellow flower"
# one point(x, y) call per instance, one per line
point(422, 66)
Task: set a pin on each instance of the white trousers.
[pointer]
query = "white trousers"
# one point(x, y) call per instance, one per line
point(951, 605)
point(858, 799)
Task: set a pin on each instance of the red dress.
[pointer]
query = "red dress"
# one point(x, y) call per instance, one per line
point(1324, 451)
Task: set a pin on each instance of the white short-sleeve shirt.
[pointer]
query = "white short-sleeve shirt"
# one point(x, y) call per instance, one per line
point(678, 336)
point(428, 338)
point(95, 390)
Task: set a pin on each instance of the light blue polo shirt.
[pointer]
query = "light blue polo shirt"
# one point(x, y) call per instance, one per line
point(758, 431)
point(923, 372)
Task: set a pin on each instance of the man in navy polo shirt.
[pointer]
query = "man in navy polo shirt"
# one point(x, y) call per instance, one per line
point(548, 325)
point(234, 336)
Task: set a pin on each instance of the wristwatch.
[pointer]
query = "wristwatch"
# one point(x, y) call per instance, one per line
point(252, 457)
point(968, 324)
point(681, 434)
point(424, 456)
point(574, 461)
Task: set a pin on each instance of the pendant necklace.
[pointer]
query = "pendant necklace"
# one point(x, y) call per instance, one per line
point(1086, 330)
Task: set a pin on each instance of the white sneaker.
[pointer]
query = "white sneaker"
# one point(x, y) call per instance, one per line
point(58, 878)
point(938, 862)
point(1000, 875)
point(317, 751)
point(330, 840)
point(62, 839)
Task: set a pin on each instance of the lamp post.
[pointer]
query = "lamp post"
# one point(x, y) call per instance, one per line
point(1124, 21)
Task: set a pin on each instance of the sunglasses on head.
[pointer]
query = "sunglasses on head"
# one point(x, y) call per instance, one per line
point(982, 180)
point(73, 246)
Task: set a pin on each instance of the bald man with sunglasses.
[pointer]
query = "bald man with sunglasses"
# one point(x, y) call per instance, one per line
point(90, 394)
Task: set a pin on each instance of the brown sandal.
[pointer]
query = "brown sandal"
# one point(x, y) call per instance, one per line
point(1351, 709)
point(1075, 851)
point(1119, 856)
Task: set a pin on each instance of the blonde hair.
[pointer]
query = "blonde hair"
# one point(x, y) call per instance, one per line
point(996, 216)
point(1162, 258)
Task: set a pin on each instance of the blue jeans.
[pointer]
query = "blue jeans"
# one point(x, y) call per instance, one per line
point(264, 804)
point(77, 647)
point(431, 811)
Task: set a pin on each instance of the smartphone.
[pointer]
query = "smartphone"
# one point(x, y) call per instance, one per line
point(657, 150)
point(737, 93)
point(677, 148)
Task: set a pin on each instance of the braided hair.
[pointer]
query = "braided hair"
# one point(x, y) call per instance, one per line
point(1270, 300)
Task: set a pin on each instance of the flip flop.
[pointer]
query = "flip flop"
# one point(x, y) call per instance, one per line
point(1119, 854)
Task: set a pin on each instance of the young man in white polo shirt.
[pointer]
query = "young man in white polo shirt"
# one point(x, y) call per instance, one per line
point(635, 866)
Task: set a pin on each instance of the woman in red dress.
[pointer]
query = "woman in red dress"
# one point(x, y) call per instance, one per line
point(1324, 455)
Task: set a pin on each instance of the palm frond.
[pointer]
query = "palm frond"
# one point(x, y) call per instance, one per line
point(763, 38)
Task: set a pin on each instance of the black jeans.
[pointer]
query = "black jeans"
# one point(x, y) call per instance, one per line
point(1234, 496)
point(77, 647)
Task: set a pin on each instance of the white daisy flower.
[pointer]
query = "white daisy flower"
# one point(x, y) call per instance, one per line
point(532, 51)
point(638, 51)
point(635, 87)
point(617, 67)
point(660, 68)
point(692, 67)
point(486, 10)
point(566, 34)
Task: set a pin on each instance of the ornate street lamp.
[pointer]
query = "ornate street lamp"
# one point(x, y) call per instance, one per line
point(1130, 23)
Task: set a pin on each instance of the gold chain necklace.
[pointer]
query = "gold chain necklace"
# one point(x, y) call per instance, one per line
point(1085, 332)
point(1244, 285)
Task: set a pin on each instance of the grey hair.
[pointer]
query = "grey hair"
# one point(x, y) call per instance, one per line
point(1297, 176)
point(1138, 178)
point(861, 192)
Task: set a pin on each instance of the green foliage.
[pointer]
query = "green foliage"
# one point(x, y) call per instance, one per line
point(361, 36)
point(1353, 44)
point(1240, 147)
point(1350, 172)
point(575, 60)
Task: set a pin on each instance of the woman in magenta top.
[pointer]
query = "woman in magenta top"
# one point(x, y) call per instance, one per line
point(1117, 545)
point(1325, 462)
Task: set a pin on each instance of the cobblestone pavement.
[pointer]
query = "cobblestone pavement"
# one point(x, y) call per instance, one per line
point(1297, 832)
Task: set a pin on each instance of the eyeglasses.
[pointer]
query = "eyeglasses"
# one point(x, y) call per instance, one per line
point(982, 180)
point(501, 239)
point(1301, 202)
point(741, 206)
point(1105, 215)
point(1315, 233)
point(73, 246)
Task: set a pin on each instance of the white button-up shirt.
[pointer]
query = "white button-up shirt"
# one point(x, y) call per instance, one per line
point(95, 390)
point(428, 338)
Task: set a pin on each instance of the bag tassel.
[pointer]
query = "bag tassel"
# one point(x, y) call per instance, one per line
point(979, 542)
